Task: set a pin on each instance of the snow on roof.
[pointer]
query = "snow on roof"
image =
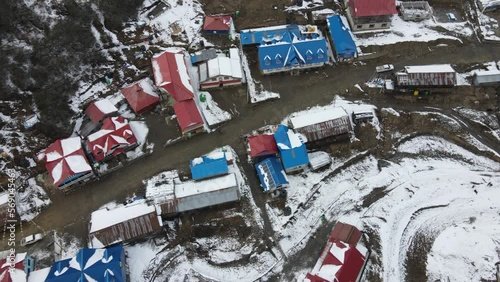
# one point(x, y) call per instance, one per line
point(276, 27)
point(429, 69)
point(183, 73)
point(161, 186)
point(190, 188)
point(65, 158)
point(318, 159)
point(147, 86)
point(105, 106)
point(104, 218)
point(303, 120)
point(4, 197)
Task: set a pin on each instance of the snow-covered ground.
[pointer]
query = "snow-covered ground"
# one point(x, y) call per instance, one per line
point(256, 95)
point(439, 190)
point(30, 200)
point(212, 112)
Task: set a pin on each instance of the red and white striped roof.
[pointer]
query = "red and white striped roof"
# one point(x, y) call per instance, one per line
point(115, 132)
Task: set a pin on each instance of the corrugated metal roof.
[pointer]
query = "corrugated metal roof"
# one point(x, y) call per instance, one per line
point(217, 23)
point(442, 68)
point(370, 8)
point(342, 39)
point(188, 115)
point(271, 174)
point(293, 155)
point(262, 145)
point(204, 167)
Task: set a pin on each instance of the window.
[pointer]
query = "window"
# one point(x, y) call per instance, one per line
point(98, 153)
point(320, 55)
point(226, 77)
point(278, 61)
point(359, 26)
point(268, 63)
point(309, 57)
point(371, 26)
point(383, 25)
point(114, 146)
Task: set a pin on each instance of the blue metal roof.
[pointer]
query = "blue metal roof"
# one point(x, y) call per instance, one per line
point(291, 157)
point(271, 174)
point(287, 55)
point(273, 33)
point(88, 265)
point(344, 44)
point(204, 167)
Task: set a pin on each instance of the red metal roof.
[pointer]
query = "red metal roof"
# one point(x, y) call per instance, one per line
point(5, 271)
point(65, 158)
point(339, 262)
point(188, 116)
point(217, 23)
point(140, 95)
point(170, 73)
point(99, 109)
point(368, 8)
point(262, 145)
point(346, 233)
point(113, 138)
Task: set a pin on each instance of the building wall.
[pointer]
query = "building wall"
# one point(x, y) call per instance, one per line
point(415, 10)
point(208, 199)
point(484, 79)
point(368, 23)
point(426, 79)
point(220, 80)
point(326, 129)
point(128, 230)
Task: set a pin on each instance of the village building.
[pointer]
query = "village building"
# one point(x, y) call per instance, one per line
point(115, 137)
point(203, 56)
point(67, 163)
point(260, 146)
point(427, 75)
point(415, 10)
point(205, 167)
point(344, 45)
point(141, 96)
point(490, 75)
point(221, 71)
point(16, 272)
point(123, 223)
point(107, 264)
point(95, 113)
point(171, 76)
point(293, 152)
point(221, 24)
point(271, 174)
point(319, 159)
point(488, 5)
point(287, 47)
point(342, 259)
point(315, 126)
point(370, 14)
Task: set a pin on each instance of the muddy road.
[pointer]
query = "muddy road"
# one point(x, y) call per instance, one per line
point(71, 213)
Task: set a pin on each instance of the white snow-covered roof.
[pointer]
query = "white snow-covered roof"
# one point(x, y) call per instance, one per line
point(147, 86)
point(183, 73)
point(160, 188)
point(234, 53)
point(4, 197)
point(265, 28)
point(429, 68)
point(104, 218)
point(318, 159)
point(190, 188)
point(317, 117)
point(105, 106)
point(223, 66)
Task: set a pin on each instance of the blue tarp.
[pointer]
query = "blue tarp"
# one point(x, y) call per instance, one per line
point(204, 167)
point(104, 265)
point(342, 39)
point(271, 174)
point(292, 157)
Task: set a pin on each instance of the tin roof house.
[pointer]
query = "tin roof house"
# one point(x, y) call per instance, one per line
point(370, 14)
point(342, 259)
point(218, 24)
point(293, 152)
point(171, 76)
point(115, 137)
point(287, 48)
point(67, 163)
point(90, 265)
point(206, 167)
point(141, 95)
point(221, 71)
point(262, 146)
point(345, 48)
point(123, 223)
point(442, 75)
point(95, 113)
point(271, 174)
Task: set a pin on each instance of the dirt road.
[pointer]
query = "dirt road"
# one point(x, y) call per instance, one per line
point(296, 93)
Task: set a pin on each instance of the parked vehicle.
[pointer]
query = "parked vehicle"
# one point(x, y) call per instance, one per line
point(451, 17)
point(384, 68)
point(31, 239)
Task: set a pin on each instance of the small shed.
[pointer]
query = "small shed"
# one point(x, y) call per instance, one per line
point(188, 116)
point(203, 56)
point(488, 76)
point(292, 150)
point(99, 110)
point(221, 71)
point(322, 124)
point(342, 39)
point(271, 174)
point(262, 145)
point(205, 167)
point(141, 95)
point(123, 223)
point(319, 159)
point(362, 116)
point(415, 10)
point(191, 195)
point(218, 24)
